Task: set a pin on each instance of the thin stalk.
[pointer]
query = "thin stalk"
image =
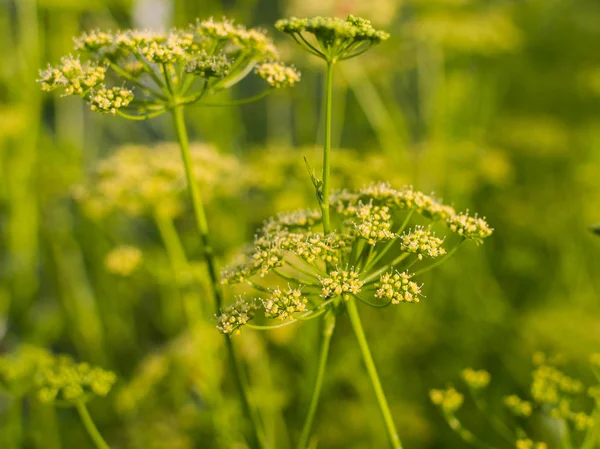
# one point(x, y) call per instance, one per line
point(202, 225)
point(90, 427)
point(372, 371)
point(328, 328)
point(327, 149)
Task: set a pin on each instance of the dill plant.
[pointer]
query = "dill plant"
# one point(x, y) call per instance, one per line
point(360, 245)
point(58, 380)
point(154, 73)
point(557, 399)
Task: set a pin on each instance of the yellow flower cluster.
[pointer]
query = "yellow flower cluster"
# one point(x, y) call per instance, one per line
point(235, 315)
point(123, 260)
point(65, 380)
point(529, 444)
point(341, 283)
point(449, 400)
point(518, 406)
point(283, 304)
point(397, 287)
point(476, 379)
point(422, 242)
point(374, 223)
point(278, 75)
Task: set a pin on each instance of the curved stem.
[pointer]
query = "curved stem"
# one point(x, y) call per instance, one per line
point(202, 225)
point(327, 149)
point(328, 328)
point(372, 371)
point(90, 427)
point(140, 117)
point(236, 102)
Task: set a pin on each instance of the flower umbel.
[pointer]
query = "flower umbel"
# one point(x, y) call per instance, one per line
point(368, 255)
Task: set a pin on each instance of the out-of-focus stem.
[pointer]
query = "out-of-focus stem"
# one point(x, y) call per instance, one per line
point(90, 427)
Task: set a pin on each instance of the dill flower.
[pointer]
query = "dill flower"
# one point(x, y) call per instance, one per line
point(70, 382)
point(282, 304)
point(140, 180)
point(397, 287)
point(476, 379)
point(18, 369)
point(473, 228)
point(341, 283)
point(235, 316)
point(108, 101)
point(449, 400)
point(529, 444)
point(518, 406)
point(277, 74)
point(374, 225)
point(337, 38)
point(139, 74)
point(123, 260)
point(366, 257)
point(422, 242)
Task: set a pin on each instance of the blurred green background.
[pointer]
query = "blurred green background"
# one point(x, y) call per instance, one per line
point(493, 105)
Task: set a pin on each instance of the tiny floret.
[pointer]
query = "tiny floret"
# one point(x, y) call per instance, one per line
point(529, 444)
point(109, 100)
point(422, 242)
point(65, 380)
point(518, 406)
point(449, 400)
point(476, 379)
point(235, 316)
point(123, 260)
point(374, 223)
point(278, 75)
point(473, 228)
point(341, 283)
point(397, 287)
point(283, 304)
point(207, 66)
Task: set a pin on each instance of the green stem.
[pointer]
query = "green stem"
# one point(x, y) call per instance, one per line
point(90, 427)
point(327, 149)
point(372, 371)
point(328, 328)
point(202, 225)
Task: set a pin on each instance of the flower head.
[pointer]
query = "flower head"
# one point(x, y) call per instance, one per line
point(235, 316)
point(337, 38)
point(283, 304)
point(397, 287)
point(476, 380)
point(109, 100)
point(341, 283)
point(449, 399)
point(65, 380)
point(277, 74)
point(473, 228)
point(422, 242)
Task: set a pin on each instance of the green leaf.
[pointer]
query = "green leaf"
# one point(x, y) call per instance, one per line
point(316, 181)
